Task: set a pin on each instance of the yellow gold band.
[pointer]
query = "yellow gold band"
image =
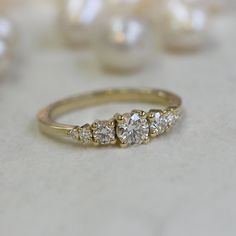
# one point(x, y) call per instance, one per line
point(170, 102)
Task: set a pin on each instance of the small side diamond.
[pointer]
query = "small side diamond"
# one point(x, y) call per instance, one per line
point(162, 121)
point(171, 117)
point(85, 134)
point(159, 124)
point(74, 134)
point(104, 132)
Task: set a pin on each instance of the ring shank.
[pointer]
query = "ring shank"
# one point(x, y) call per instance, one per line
point(47, 117)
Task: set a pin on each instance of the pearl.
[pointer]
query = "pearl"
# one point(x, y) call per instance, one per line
point(7, 31)
point(182, 24)
point(7, 43)
point(4, 56)
point(124, 43)
point(78, 18)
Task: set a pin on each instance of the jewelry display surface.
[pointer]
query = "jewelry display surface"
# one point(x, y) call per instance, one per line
point(183, 184)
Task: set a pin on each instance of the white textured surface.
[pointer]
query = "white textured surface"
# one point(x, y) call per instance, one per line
point(183, 184)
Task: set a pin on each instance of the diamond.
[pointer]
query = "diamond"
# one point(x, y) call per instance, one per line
point(74, 133)
point(159, 125)
point(85, 134)
point(104, 132)
point(133, 128)
point(163, 121)
point(171, 118)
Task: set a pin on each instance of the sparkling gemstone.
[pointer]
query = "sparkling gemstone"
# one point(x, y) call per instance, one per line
point(104, 132)
point(74, 133)
point(171, 117)
point(163, 121)
point(85, 135)
point(133, 129)
point(159, 125)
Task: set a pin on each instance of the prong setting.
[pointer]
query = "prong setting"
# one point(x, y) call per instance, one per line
point(104, 132)
point(124, 145)
point(141, 113)
point(94, 125)
point(119, 118)
point(136, 127)
point(162, 121)
point(146, 141)
point(84, 134)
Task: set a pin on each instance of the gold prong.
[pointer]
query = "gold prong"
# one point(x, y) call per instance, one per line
point(165, 111)
point(124, 145)
point(113, 142)
point(95, 143)
point(154, 134)
point(76, 127)
point(151, 116)
point(171, 108)
point(94, 126)
point(141, 113)
point(146, 141)
point(119, 118)
point(112, 123)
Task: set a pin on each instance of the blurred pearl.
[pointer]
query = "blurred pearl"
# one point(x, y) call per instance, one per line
point(124, 43)
point(183, 24)
point(78, 18)
point(4, 57)
point(7, 31)
point(7, 43)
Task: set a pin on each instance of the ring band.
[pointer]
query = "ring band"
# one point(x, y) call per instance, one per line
point(127, 129)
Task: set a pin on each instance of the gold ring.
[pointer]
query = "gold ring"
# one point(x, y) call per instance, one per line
point(135, 127)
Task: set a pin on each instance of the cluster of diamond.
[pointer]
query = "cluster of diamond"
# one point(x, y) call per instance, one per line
point(128, 129)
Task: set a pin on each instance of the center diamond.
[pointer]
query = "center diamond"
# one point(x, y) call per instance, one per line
point(133, 128)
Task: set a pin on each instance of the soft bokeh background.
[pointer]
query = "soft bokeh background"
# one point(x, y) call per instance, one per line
point(183, 184)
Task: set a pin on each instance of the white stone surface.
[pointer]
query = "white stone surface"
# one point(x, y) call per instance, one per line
point(182, 184)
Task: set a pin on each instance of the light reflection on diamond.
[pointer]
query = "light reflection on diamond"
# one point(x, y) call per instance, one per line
point(133, 129)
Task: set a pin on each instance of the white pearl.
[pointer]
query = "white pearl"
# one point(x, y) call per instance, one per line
point(78, 18)
point(7, 31)
point(182, 24)
point(4, 56)
point(7, 43)
point(124, 43)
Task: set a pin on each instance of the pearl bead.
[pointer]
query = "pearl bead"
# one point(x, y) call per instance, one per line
point(182, 25)
point(7, 43)
point(124, 43)
point(7, 31)
point(4, 56)
point(78, 18)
